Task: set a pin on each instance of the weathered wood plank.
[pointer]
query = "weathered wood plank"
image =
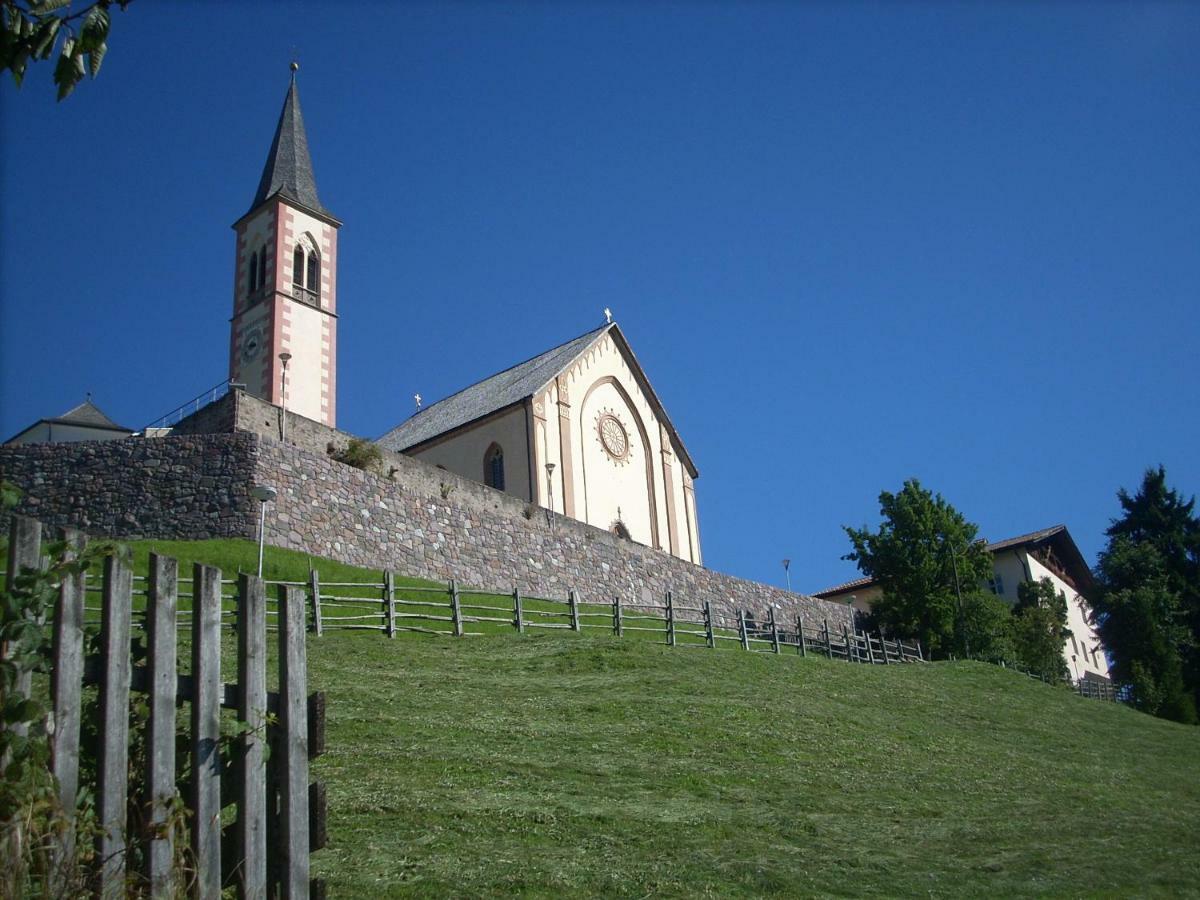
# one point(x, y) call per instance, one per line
point(113, 765)
point(251, 862)
point(24, 552)
point(206, 730)
point(455, 609)
point(161, 672)
point(389, 603)
point(316, 724)
point(518, 613)
point(618, 622)
point(801, 646)
point(884, 648)
point(66, 687)
point(828, 645)
point(670, 620)
point(573, 606)
point(850, 656)
point(742, 630)
point(774, 628)
point(293, 722)
point(709, 637)
point(318, 816)
point(314, 596)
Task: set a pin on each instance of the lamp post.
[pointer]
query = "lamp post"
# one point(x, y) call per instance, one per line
point(549, 490)
point(787, 573)
point(264, 494)
point(283, 358)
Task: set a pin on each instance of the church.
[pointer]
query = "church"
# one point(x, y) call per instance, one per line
point(577, 429)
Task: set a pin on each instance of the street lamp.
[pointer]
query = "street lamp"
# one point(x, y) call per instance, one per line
point(787, 574)
point(264, 494)
point(549, 489)
point(283, 358)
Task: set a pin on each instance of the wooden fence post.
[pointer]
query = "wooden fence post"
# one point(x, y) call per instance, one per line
point(455, 609)
point(112, 775)
point(709, 637)
point(828, 646)
point(871, 649)
point(389, 603)
point(800, 644)
point(251, 862)
point(883, 644)
point(618, 625)
point(774, 629)
point(314, 590)
point(66, 684)
point(293, 720)
point(670, 620)
point(206, 729)
point(846, 637)
point(920, 655)
point(162, 651)
point(24, 552)
point(518, 613)
point(574, 605)
point(742, 629)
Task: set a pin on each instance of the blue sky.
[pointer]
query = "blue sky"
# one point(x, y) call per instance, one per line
point(850, 243)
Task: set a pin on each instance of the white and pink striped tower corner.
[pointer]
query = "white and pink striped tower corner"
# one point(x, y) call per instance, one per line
point(285, 282)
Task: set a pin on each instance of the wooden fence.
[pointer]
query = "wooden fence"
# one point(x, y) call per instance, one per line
point(280, 817)
point(452, 610)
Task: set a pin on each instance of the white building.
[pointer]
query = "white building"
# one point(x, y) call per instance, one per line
point(577, 429)
point(85, 422)
point(1049, 553)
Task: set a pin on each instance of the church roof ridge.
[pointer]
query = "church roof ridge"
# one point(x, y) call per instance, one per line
point(288, 171)
point(487, 395)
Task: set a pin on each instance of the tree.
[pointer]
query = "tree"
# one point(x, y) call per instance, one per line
point(1148, 603)
point(32, 29)
point(1039, 629)
point(925, 556)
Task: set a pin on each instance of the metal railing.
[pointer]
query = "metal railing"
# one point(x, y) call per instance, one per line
point(181, 412)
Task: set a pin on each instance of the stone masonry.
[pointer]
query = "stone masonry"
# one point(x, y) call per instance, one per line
point(410, 517)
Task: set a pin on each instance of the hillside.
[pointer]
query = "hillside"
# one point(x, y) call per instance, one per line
point(557, 764)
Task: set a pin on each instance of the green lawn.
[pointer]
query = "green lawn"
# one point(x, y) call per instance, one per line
point(557, 764)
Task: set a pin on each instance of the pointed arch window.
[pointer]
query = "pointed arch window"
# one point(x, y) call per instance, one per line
point(493, 467)
point(253, 272)
point(262, 267)
point(306, 271)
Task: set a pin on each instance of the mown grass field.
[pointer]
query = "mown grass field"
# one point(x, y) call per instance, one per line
point(556, 764)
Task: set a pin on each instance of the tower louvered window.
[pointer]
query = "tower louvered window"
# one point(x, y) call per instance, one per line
point(262, 267)
point(493, 467)
point(253, 273)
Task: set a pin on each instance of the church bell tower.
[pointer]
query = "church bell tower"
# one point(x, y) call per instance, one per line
point(284, 325)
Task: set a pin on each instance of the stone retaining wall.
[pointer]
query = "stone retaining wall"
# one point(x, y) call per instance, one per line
point(190, 487)
point(418, 520)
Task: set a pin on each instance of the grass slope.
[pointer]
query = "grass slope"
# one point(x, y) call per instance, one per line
point(557, 764)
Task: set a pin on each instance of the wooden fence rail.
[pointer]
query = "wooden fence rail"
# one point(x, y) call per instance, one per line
point(275, 829)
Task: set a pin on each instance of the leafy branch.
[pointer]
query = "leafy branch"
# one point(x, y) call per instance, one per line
point(36, 29)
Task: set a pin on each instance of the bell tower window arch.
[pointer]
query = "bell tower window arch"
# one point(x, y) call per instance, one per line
point(306, 271)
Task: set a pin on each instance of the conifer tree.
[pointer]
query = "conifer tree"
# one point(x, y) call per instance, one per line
point(1148, 605)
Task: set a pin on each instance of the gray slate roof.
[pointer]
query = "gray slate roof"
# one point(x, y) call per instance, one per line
point(289, 171)
point(88, 415)
point(488, 396)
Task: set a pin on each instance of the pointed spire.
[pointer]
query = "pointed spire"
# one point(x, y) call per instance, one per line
point(288, 171)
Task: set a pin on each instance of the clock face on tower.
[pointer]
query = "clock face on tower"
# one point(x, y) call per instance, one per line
point(252, 344)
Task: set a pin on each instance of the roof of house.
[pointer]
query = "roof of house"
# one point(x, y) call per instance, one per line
point(512, 386)
point(85, 415)
point(288, 171)
point(1057, 535)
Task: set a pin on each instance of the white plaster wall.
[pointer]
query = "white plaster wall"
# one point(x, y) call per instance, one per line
point(1086, 648)
point(302, 338)
point(1008, 565)
point(251, 373)
point(551, 451)
point(614, 489)
point(463, 454)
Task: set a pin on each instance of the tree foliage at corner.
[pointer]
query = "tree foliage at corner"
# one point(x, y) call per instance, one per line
point(36, 29)
point(1039, 629)
point(923, 555)
point(1148, 603)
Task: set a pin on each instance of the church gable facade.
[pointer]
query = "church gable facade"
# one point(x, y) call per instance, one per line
point(578, 430)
